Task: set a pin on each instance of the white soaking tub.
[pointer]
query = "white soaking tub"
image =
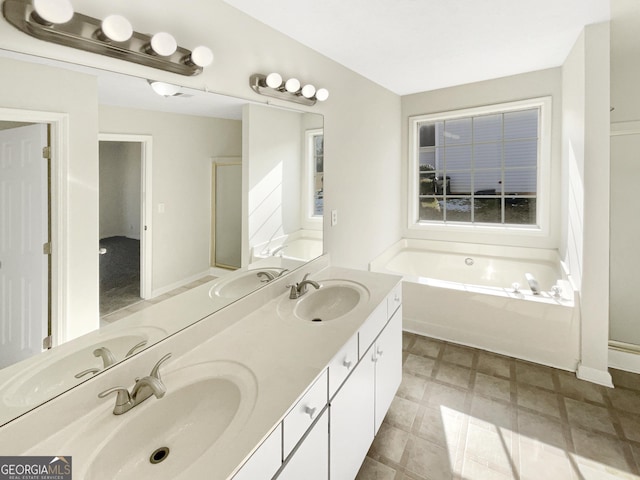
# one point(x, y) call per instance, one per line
point(464, 293)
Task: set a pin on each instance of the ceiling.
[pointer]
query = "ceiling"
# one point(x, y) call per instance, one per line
point(410, 46)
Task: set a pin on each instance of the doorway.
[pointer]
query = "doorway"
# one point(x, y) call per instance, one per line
point(124, 250)
point(25, 245)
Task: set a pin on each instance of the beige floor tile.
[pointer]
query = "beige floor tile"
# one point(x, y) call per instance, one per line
point(600, 449)
point(626, 400)
point(390, 442)
point(428, 460)
point(491, 386)
point(412, 386)
point(459, 355)
point(490, 445)
point(454, 375)
point(538, 400)
point(490, 412)
point(534, 375)
point(443, 426)
point(374, 470)
point(493, 364)
point(573, 387)
point(589, 416)
point(630, 425)
point(533, 427)
point(402, 413)
point(588, 470)
point(407, 340)
point(438, 395)
point(625, 379)
point(541, 461)
point(426, 346)
point(419, 365)
point(473, 470)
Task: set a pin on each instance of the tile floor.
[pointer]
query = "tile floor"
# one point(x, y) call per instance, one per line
point(467, 414)
point(141, 305)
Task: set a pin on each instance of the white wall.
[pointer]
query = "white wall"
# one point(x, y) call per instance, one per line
point(120, 181)
point(586, 179)
point(183, 146)
point(518, 87)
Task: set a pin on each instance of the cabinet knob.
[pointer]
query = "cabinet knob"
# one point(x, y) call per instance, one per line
point(347, 363)
point(311, 411)
point(379, 352)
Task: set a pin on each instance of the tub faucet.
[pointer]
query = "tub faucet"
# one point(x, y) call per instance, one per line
point(299, 289)
point(278, 250)
point(143, 389)
point(533, 283)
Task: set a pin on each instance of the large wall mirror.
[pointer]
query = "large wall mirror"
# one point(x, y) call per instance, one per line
point(211, 196)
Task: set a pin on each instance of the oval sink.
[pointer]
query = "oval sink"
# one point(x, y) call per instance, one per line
point(56, 372)
point(163, 438)
point(239, 284)
point(334, 299)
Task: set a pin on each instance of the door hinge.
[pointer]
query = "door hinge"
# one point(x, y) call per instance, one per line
point(46, 152)
point(46, 248)
point(47, 342)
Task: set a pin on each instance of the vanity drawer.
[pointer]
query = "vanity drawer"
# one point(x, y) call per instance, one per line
point(300, 418)
point(394, 300)
point(265, 461)
point(342, 364)
point(372, 327)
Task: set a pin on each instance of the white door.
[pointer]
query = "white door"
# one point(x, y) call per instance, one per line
point(23, 231)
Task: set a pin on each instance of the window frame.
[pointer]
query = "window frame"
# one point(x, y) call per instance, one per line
point(541, 228)
point(308, 190)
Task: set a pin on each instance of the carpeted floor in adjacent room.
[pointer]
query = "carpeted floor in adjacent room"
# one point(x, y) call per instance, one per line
point(119, 274)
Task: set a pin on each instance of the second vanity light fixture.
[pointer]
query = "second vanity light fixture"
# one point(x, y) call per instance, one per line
point(273, 85)
point(55, 21)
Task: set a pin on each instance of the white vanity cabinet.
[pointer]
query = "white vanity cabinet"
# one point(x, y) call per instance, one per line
point(265, 461)
point(388, 361)
point(311, 459)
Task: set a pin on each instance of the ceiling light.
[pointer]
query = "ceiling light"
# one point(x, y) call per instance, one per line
point(50, 12)
point(164, 89)
point(163, 44)
point(116, 28)
point(201, 56)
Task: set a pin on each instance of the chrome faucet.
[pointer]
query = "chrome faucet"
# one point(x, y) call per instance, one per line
point(299, 289)
point(278, 250)
point(270, 276)
point(108, 358)
point(143, 389)
point(533, 283)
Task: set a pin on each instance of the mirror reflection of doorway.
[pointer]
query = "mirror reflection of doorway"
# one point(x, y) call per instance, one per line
point(121, 224)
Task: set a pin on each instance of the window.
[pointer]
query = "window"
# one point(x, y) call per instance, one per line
point(315, 176)
point(480, 166)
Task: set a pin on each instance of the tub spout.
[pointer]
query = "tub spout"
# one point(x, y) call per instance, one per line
point(533, 283)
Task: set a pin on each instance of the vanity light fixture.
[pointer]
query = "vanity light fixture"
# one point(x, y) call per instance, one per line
point(164, 89)
point(272, 85)
point(55, 21)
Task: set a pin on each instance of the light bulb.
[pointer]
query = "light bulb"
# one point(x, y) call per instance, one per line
point(308, 91)
point(116, 28)
point(49, 12)
point(165, 89)
point(274, 80)
point(292, 85)
point(164, 44)
point(202, 56)
point(322, 94)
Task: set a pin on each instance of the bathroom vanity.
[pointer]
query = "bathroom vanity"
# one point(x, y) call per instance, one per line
point(269, 387)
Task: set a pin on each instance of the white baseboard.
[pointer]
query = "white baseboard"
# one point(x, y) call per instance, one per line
point(621, 360)
point(594, 375)
point(181, 283)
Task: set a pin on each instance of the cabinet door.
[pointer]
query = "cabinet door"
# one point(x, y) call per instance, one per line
point(388, 361)
point(265, 461)
point(351, 413)
point(311, 460)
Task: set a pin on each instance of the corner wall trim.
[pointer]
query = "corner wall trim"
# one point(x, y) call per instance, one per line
point(601, 377)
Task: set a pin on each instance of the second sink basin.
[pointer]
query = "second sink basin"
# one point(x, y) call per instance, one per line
point(333, 300)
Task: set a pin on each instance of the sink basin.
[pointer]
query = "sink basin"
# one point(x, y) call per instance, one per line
point(239, 284)
point(163, 438)
point(333, 300)
point(55, 370)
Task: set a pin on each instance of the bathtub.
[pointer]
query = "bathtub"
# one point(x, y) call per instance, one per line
point(303, 245)
point(464, 293)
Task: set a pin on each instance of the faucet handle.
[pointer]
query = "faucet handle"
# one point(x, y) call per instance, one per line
point(155, 371)
point(86, 372)
point(108, 358)
point(135, 347)
point(123, 397)
point(293, 292)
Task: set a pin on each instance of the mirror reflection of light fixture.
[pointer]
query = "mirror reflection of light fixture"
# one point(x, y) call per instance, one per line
point(164, 89)
point(272, 85)
point(52, 12)
point(55, 21)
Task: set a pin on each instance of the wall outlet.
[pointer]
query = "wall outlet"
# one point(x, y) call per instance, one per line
point(334, 218)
